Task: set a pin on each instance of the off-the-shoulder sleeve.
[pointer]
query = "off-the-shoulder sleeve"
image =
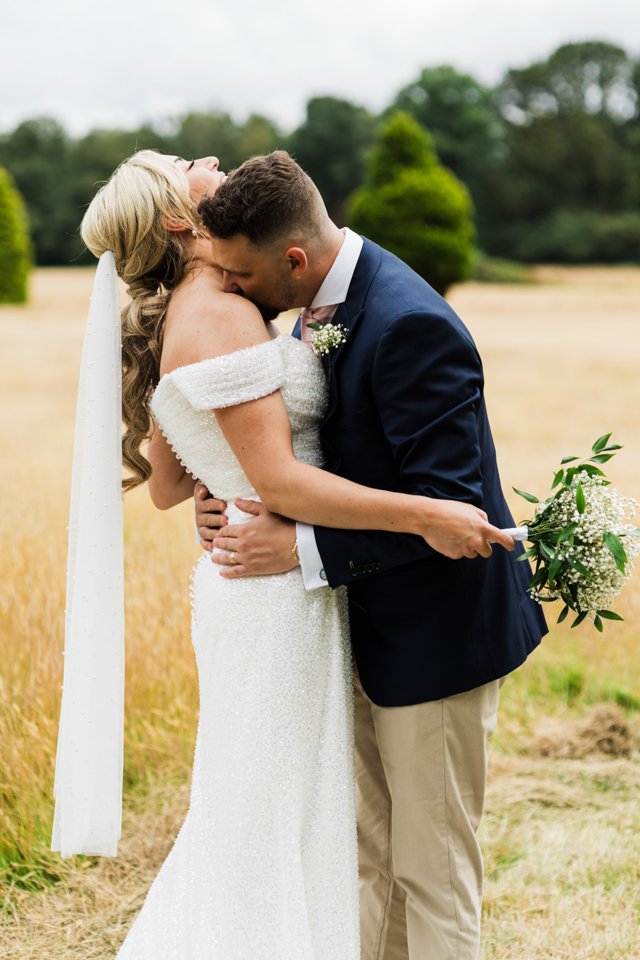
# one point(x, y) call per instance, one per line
point(234, 378)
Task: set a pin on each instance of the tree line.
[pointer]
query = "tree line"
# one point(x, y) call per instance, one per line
point(549, 155)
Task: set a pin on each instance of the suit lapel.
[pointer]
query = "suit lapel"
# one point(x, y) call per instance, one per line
point(349, 314)
point(331, 361)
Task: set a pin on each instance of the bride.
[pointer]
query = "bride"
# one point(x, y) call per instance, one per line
point(265, 863)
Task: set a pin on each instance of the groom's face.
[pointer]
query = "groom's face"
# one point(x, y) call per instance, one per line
point(265, 275)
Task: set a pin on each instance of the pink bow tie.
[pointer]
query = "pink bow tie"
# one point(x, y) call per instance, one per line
point(316, 315)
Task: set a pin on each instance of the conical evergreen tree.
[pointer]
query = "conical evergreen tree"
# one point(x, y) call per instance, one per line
point(414, 207)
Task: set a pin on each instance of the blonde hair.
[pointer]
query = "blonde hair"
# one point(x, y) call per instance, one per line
point(128, 216)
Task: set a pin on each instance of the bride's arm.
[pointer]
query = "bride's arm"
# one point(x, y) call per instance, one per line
point(259, 434)
point(169, 482)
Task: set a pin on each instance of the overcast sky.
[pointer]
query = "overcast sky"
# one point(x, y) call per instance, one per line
point(124, 61)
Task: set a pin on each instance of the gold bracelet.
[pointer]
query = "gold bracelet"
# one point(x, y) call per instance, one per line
point(294, 552)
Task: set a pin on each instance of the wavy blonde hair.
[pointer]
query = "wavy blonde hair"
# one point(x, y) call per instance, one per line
point(129, 216)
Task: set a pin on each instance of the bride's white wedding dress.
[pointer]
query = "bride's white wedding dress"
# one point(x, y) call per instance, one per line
point(265, 865)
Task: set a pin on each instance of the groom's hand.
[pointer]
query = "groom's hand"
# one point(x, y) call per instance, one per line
point(459, 530)
point(257, 548)
point(209, 515)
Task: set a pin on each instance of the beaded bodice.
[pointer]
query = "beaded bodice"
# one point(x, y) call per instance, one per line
point(185, 399)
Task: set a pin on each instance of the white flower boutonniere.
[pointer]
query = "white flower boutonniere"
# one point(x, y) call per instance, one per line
point(327, 337)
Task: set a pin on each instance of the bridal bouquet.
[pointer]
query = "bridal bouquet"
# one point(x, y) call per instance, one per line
point(583, 547)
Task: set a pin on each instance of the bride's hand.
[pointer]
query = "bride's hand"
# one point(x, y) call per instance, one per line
point(461, 530)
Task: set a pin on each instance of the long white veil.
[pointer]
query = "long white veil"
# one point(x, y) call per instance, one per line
point(88, 777)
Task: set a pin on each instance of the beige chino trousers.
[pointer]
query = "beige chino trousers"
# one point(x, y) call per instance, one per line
point(420, 782)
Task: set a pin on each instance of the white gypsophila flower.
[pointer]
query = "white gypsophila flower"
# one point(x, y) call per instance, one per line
point(328, 337)
point(605, 511)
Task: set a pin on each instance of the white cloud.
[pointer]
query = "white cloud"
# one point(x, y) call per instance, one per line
point(124, 62)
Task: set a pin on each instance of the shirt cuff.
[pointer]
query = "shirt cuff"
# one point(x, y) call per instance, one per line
point(313, 574)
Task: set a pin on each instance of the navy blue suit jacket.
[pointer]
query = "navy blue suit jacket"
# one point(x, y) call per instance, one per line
point(406, 412)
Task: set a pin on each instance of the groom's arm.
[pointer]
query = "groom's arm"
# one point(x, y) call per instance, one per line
point(359, 552)
point(427, 385)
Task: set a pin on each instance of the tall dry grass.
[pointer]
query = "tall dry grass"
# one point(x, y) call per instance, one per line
point(39, 350)
point(561, 836)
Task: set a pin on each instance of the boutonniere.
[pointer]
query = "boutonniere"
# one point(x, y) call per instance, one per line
point(327, 337)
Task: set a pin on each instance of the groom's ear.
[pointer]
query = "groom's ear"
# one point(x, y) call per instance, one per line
point(297, 260)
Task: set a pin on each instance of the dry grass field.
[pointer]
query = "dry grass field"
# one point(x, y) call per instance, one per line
point(562, 831)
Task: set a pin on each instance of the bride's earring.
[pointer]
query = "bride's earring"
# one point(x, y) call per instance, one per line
point(194, 232)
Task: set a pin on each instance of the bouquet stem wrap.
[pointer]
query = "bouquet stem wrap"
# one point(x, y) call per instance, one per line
point(518, 533)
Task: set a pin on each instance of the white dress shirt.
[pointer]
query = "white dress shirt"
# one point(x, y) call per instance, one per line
point(333, 290)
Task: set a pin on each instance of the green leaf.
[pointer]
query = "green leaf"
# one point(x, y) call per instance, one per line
point(557, 478)
point(579, 567)
point(612, 446)
point(601, 457)
point(600, 443)
point(551, 537)
point(597, 622)
point(568, 531)
point(527, 496)
point(581, 503)
point(609, 615)
point(545, 551)
point(553, 569)
point(568, 460)
point(615, 547)
point(591, 470)
point(578, 620)
point(563, 614)
point(531, 552)
point(538, 579)
point(315, 326)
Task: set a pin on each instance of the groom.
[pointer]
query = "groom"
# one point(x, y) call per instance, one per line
point(431, 636)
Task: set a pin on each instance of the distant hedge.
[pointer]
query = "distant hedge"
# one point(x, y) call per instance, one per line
point(581, 236)
point(15, 243)
point(414, 207)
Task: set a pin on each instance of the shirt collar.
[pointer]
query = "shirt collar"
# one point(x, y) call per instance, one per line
point(335, 286)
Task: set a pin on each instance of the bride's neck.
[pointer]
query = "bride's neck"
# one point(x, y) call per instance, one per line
point(197, 250)
point(199, 258)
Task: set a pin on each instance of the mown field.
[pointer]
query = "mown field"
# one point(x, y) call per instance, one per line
point(562, 830)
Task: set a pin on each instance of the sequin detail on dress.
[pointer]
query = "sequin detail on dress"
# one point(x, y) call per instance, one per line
point(184, 401)
point(265, 864)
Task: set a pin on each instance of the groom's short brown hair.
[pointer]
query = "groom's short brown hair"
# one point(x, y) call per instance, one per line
point(266, 198)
